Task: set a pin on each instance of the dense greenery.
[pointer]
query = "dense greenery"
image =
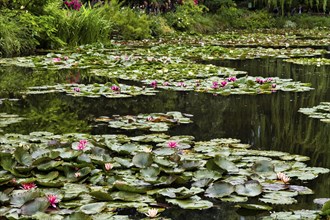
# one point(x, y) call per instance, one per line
point(28, 25)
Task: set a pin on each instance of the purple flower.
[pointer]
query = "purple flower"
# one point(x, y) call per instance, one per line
point(115, 88)
point(76, 89)
point(172, 144)
point(223, 83)
point(273, 85)
point(215, 85)
point(154, 84)
point(231, 79)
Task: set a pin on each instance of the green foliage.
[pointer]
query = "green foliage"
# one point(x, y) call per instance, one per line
point(88, 25)
point(307, 21)
point(129, 24)
point(215, 5)
point(185, 17)
point(244, 19)
point(34, 6)
point(159, 26)
point(17, 33)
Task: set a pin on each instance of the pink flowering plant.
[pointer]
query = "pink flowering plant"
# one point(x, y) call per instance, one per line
point(82, 145)
point(73, 4)
point(53, 200)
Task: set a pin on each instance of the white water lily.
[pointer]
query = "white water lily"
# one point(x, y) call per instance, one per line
point(108, 166)
point(284, 178)
point(152, 213)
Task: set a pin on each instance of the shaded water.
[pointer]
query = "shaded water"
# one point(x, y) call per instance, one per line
point(267, 122)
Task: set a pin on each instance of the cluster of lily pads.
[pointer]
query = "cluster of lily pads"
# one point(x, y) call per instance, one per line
point(108, 90)
point(55, 176)
point(233, 85)
point(210, 52)
point(309, 61)
point(7, 119)
point(156, 122)
point(321, 111)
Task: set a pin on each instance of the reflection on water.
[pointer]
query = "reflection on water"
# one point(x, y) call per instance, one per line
point(268, 122)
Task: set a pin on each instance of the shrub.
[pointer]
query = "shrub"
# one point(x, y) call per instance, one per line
point(244, 19)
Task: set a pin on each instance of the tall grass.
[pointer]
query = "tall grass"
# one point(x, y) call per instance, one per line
point(15, 36)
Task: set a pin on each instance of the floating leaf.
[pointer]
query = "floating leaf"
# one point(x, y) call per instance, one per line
point(219, 189)
point(93, 208)
point(192, 203)
point(142, 160)
point(250, 188)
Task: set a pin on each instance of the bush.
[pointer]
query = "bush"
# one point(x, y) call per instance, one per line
point(159, 26)
point(17, 33)
point(244, 19)
point(185, 17)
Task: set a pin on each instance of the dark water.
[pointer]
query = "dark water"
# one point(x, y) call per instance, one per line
point(267, 122)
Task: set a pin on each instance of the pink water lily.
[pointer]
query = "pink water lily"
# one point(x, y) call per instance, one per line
point(115, 88)
point(76, 89)
point(166, 84)
point(53, 200)
point(82, 144)
point(57, 59)
point(172, 144)
point(154, 84)
point(231, 79)
point(28, 186)
point(181, 84)
point(215, 85)
point(273, 85)
point(223, 83)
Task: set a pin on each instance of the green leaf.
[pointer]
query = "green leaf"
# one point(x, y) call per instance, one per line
point(23, 156)
point(250, 188)
point(219, 190)
point(193, 203)
point(20, 197)
point(142, 160)
point(93, 208)
point(34, 206)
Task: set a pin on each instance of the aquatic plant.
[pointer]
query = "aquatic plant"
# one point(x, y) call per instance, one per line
point(219, 169)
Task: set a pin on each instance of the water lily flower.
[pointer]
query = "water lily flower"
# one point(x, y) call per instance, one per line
point(154, 84)
point(223, 83)
point(66, 58)
point(115, 88)
point(108, 166)
point(76, 89)
point(231, 79)
point(269, 79)
point(166, 84)
point(282, 177)
point(57, 59)
point(152, 213)
point(150, 118)
point(215, 85)
point(172, 144)
point(273, 85)
point(77, 174)
point(82, 144)
point(28, 186)
point(53, 200)
point(181, 84)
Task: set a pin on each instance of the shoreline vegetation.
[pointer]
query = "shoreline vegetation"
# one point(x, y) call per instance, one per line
point(28, 25)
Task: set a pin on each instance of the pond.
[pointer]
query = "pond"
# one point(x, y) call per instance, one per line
point(265, 121)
